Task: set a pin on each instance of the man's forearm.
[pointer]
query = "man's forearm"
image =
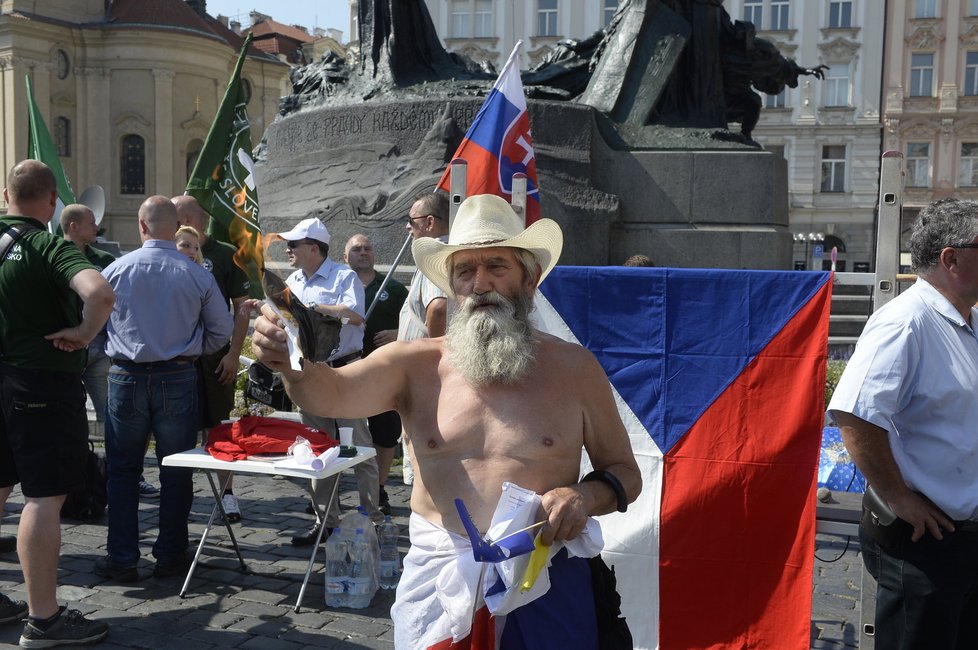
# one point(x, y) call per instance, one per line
point(869, 447)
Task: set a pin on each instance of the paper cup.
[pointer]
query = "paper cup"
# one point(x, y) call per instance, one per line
point(346, 436)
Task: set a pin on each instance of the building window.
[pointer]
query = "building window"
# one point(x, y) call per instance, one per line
point(922, 75)
point(837, 85)
point(833, 168)
point(754, 12)
point(973, 7)
point(971, 73)
point(774, 101)
point(193, 153)
point(483, 18)
point(840, 13)
point(779, 14)
point(460, 19)
point(133, 165)
point(969, 164)
point(62, 136)
point(918, 164)
point(611, 6)
point(546, 17)
point(925, 9)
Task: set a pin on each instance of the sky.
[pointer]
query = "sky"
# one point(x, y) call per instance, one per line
point(327, 14)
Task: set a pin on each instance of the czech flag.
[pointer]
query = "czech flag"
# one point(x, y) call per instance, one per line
point(498, 143)
point(720, 379)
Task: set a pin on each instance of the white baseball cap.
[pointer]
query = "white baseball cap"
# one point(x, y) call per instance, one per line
point(311, 228)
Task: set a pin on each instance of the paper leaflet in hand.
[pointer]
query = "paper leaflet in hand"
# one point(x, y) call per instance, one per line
point(514, 574)
point(311, 334)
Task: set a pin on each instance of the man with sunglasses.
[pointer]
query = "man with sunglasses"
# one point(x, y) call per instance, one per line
point(907, 407)
point(334, 289)
point(425, 312)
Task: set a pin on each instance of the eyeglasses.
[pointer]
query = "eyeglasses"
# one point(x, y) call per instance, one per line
point(411, 219)
point(293, 244)
point(972, 245)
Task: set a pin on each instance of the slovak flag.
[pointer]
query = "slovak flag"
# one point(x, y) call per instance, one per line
point(720, 380)
point(498, 143)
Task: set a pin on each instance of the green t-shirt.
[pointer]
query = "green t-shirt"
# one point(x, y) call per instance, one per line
point(385, 314)
point(36, 299)
point(98, 258)
point(219, 260)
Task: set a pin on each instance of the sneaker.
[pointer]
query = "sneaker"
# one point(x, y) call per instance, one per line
point(106, 567)
point(385, 502)
point(70, 628)
point(12, 611)
point(148, 490)
point(231, 509)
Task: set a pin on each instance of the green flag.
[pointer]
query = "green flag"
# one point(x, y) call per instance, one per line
point(41, 147)
point(223, 180)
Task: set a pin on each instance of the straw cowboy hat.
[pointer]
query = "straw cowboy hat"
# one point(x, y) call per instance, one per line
point(487, 221)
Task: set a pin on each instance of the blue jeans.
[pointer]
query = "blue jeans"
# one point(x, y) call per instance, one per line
point(158, 398)
point(96, 381)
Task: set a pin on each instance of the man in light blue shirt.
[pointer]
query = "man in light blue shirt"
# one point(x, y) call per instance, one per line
point(907, 405)
point(334, 289)
point(168, 312)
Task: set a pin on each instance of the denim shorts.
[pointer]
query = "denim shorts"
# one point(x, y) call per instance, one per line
point(43, 431)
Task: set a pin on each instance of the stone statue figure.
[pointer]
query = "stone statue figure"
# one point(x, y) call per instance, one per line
point(750, 61)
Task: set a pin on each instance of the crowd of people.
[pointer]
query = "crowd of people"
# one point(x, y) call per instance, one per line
point(453, 368)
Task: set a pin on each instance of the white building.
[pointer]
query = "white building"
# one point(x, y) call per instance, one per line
point(829, 131)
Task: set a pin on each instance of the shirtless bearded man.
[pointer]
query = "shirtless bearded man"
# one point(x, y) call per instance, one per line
point(492, 401)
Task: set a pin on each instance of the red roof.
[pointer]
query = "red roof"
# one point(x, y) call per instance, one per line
point(270, 28)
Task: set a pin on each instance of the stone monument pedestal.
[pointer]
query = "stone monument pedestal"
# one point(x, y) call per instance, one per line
point(683, 204)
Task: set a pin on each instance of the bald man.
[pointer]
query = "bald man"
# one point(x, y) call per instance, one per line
point(168, 312)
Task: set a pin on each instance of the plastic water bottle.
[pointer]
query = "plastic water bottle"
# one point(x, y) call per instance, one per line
point(390, 560)
point(363, 583)
point(337, 572)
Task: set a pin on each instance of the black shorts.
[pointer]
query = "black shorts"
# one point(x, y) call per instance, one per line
point(43, 431)
point(216, 399)
point(385, 429)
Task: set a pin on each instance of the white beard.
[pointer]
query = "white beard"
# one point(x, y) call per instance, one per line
point(491, 345)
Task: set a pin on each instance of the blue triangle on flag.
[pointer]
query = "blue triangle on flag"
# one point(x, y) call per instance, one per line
point(675, 336)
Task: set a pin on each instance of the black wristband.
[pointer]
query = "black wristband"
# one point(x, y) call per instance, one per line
point(611, 481)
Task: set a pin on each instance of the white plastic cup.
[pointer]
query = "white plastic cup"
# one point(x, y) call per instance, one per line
point(346, 436)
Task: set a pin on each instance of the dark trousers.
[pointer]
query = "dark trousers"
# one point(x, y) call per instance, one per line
point(927, 591)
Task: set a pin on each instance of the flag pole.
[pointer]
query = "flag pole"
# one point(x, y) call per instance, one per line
point(380, 290)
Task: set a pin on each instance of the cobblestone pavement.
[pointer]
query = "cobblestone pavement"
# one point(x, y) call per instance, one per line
point(227, 608)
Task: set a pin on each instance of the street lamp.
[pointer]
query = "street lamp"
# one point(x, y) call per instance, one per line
point(813, 242)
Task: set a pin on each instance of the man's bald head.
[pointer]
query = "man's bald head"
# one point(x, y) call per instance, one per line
point(31, 190)
point(78, 224)
point(158, 219)
point(190, 213)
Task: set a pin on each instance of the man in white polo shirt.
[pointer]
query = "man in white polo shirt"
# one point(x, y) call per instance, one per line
point(334, 289)
point(907, 404)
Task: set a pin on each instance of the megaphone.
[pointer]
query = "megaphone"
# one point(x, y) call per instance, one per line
point(94, 199)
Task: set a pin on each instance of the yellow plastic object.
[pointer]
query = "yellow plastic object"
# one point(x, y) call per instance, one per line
point(537, 563)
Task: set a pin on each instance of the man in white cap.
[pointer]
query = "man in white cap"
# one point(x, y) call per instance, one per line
point(492, 403)
point(334, 289)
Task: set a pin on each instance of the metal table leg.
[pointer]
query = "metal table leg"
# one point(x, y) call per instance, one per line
point(218, 508)
point(315, 547)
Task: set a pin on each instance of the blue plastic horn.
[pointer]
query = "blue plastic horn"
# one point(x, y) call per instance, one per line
point(513, 545)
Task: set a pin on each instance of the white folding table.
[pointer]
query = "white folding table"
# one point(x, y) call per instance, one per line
point(200, 459)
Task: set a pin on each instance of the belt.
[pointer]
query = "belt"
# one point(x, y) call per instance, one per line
point(181, 359)
point(966, 526)
point(344, 360)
